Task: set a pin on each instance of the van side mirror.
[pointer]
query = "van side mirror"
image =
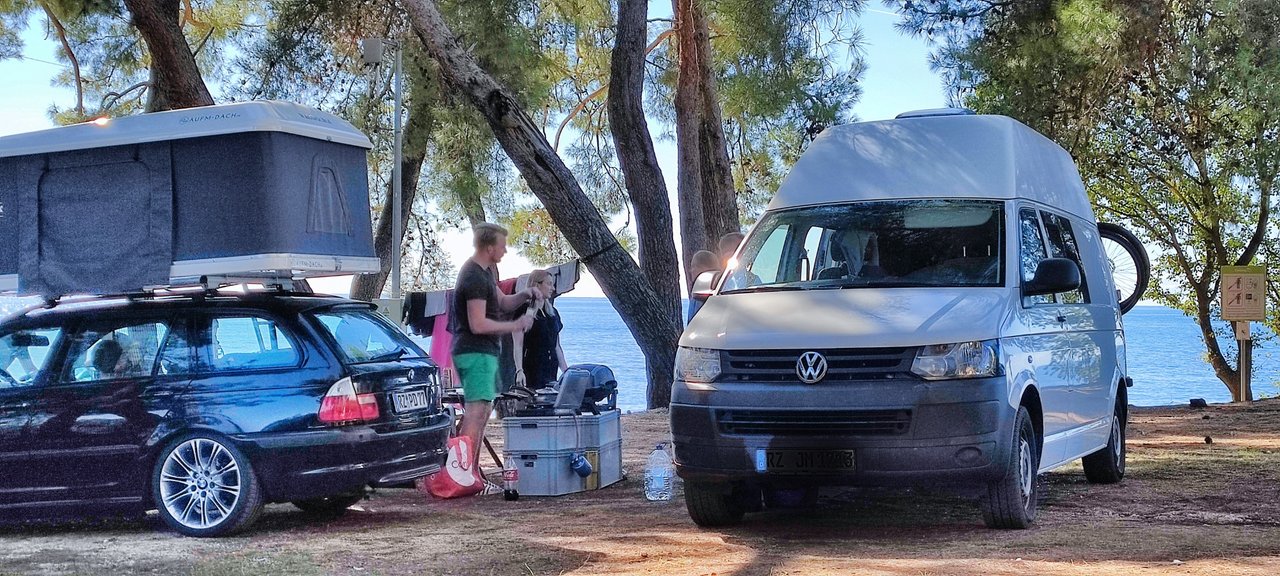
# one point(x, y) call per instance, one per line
point(1053, 275)
point(704, 285)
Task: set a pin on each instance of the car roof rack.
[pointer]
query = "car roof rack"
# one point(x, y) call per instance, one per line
point(281, 283)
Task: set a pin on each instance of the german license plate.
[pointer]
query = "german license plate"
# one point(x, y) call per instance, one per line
point(410, 401)
point(804, 461)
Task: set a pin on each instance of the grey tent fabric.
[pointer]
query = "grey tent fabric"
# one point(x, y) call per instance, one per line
point(16, 175)
point(101, 221)
point(115, 219)
point(270, 192)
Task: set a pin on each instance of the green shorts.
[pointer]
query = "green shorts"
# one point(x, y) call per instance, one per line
point(479, 374)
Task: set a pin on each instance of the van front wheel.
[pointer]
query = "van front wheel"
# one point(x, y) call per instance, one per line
point(1011, 501)
point(713, 505)
point(1106, 466)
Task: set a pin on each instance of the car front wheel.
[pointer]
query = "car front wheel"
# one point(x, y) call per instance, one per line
point(204, 486)
point(713, 505)
point(1011, 501)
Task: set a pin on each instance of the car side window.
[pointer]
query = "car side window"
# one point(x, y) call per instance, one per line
point(1031, 250)
point(248, 343)
point(177, 356)
point(24, 355)
point(1062, 244)
point(109, 351)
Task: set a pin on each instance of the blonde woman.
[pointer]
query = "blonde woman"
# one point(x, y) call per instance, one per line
point(537, 354)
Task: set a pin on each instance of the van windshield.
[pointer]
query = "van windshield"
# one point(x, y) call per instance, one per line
point(924, 243)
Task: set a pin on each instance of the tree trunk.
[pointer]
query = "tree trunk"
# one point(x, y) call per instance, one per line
point(689, 109)
point(550, 180)
point(469, 196)
point(719, 200)
point(706, 197)
point(645, 185)
point(175, 78)
point(369, 286)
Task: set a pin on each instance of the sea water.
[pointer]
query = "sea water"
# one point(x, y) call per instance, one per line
point(1165, 354)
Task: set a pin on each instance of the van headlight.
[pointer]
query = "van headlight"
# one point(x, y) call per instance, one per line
point(959, 360)
point(697, 364)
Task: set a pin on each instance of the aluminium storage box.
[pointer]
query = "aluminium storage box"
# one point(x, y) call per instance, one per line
point(246, 190)
point(547, 472)
point(550, 433)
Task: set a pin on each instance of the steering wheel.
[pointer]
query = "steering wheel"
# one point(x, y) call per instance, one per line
point(7, 379)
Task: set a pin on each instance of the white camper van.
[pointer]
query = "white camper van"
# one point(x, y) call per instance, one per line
point(925, 301)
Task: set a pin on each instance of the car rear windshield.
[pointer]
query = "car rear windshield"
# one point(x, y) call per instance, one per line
point(363, 336)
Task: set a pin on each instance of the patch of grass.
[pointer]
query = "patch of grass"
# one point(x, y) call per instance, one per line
point(258, 562)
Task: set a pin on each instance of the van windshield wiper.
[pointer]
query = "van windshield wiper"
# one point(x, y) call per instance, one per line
point(766, 288)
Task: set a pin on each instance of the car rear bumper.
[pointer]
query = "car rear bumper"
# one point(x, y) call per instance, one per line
point(316, 463)
point(900, 433)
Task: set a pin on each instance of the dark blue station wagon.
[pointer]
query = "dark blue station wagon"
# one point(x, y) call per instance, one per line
point(207, 406)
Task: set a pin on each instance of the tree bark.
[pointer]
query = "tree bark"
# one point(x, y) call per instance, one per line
point(688, 103)
point(176, 81)
point(706, 198)
point(719, 199)
point(555, 186)
point(645, 184)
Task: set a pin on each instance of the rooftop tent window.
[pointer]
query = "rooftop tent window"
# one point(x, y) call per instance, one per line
point(327, 212)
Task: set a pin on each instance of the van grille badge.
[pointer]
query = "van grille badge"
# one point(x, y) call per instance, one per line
point(811, 367)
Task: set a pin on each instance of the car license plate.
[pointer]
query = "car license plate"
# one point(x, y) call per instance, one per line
point(804, 461)
point(410, 401)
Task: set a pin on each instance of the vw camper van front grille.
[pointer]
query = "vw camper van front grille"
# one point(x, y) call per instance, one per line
point(815, 422)
point(843, 365)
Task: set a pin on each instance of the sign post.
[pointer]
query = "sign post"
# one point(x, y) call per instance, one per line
point(1244, 292)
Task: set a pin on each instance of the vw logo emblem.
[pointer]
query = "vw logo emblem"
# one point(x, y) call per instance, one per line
point(811, 367)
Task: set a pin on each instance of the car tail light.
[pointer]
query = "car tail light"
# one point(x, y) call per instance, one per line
point(342, 405)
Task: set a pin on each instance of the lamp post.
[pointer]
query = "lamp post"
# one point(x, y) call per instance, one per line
point(372, 52)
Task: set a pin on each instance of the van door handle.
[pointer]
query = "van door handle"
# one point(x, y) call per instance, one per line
point(1062, 319)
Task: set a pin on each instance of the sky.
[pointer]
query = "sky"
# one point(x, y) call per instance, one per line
point(897, 79)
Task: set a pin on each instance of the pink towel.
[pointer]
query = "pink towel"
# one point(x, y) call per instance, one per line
point(442, 346)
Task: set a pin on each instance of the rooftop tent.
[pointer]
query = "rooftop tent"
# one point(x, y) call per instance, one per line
point(251, 189)
point(934, 154)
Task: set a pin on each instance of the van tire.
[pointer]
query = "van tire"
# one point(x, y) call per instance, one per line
point(1010, 502)
point(713, 505)
point(1106, 466)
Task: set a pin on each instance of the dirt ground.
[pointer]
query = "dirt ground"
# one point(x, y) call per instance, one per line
point(1202, 496)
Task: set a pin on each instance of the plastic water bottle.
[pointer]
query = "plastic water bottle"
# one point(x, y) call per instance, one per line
point(510, 480)
point(659, 475)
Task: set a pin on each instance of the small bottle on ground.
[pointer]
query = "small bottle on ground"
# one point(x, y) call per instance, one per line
point(510, 480)
point(659, 476)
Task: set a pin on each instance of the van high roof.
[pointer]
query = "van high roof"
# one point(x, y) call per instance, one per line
point(934, 156)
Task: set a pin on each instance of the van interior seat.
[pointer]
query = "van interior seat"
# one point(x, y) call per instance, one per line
point(841, 267)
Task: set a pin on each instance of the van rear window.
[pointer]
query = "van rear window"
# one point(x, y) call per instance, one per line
point(926, 243)
point(364, 337)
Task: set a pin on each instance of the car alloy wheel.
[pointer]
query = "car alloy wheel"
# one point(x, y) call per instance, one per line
point(200, 484)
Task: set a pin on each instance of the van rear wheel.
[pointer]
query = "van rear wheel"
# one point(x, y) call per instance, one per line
point(1106, 466)
point(1011, 501)
point(712, 505)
